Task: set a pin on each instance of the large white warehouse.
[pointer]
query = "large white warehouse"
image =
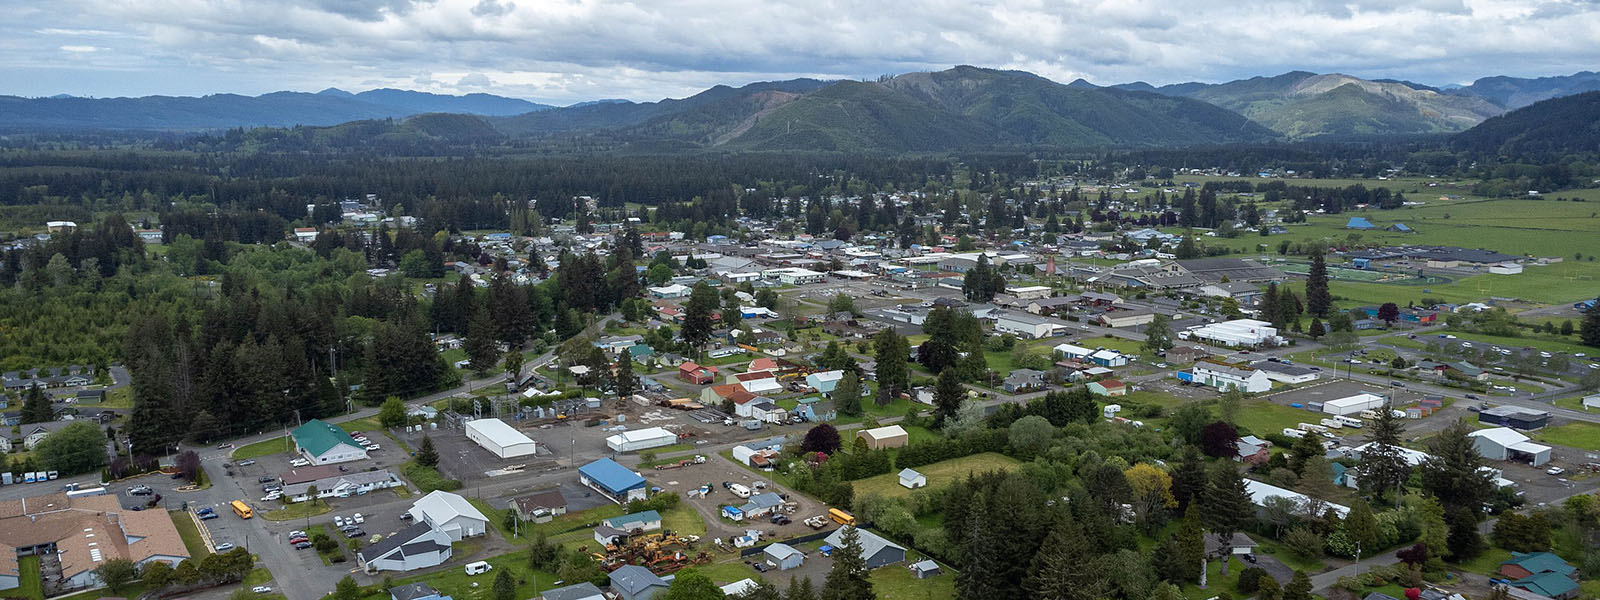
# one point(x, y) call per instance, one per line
point(642, 439)
point(1235, 333)
point(501, 439)
point(1353, 404)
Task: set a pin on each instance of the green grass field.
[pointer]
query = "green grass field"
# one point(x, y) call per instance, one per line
point(190, 534)
point(32, 585)
point(455, 582)
point(1262, 417)
point(276, 445)
point(939, 474)
point(1577, 434)
point(895, 582)
point(299, 510)
point(1541, 342)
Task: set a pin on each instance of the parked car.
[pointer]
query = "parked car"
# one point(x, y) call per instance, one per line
point(265, 479)
point(374, 448)
point(262, 589)
point(141, 490)
point(354, 533)
point(224, 547)
point(224, 446)
point(338, 521)
point(1556, 471)
point(207, 516)
point(358, 518)
point(302, 545)
point(246, 463)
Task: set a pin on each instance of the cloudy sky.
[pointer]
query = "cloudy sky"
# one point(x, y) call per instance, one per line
point(564, 51)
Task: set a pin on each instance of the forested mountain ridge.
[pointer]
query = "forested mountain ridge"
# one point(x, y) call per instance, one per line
point(1302, 105)
point(1552, 128)
point(222, 111)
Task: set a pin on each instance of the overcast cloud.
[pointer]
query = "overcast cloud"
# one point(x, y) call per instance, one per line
point(564, 51)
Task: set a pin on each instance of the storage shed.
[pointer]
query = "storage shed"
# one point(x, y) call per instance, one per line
point(1354, 404)
point(912, 479)
point(641, 439)
point(500, 439)
point(783, 556)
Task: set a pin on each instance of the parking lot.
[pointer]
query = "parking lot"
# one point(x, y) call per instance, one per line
point(714, 473)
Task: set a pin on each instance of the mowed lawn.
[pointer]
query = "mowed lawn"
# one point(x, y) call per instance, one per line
point(189, 533)
point(275, 445)
point(1262, 417)
point(939, 474)
point(1577, 434)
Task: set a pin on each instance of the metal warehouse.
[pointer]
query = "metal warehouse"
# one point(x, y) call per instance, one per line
point(642, 439)
point(501, 439)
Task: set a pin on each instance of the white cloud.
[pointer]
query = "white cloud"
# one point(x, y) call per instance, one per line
point(571, 50)
point(78, 49)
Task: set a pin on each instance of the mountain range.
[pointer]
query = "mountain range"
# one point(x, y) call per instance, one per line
point(220, 111)
point(963, 108)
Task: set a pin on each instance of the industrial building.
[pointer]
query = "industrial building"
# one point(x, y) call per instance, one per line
point(1515, 417)
point(1238, 333)
point(1503, 443)
point(1354, 404)
point(499, 438)
point(875, 550)
point(641, 439)
point(614, 480)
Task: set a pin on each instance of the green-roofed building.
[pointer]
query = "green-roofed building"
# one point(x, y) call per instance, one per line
point(324, 443)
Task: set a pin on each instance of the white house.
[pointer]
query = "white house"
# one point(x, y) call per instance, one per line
point(450, 514)
point(1224, 377)
point(499, 438)
point(912, 480)
point(416, 547)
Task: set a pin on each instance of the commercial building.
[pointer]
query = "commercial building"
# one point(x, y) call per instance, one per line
point(1354, 404)
point(1029, 292)
point(451, 514)
point(416, 547)
point(82, 533)
point(324, 443)
point(617, 482)
point(1503, 443)
point(641, 439)
point(794, 275)
point(1026, 325)
point(499, 438)
point(1238, 333)
point(1132, 317)
point(1225, 377)
point(1291, 374)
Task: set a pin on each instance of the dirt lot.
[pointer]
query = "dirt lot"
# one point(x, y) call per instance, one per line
point(717, 470)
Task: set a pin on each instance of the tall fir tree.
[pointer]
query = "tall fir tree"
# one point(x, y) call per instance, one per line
point(1452, 472)
point(1589, 329)
point(947, 396)
point(848, 578)
point(480, 343)
point(36, 406)
point(697, 322)
point(1318, 299)
point(1227, 503)
point(1383, 470)
point(847, 395)
point(1066, 568)
point(891, 353)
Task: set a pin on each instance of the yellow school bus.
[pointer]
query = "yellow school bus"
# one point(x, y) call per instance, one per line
point(242, 509)
point(841, 517)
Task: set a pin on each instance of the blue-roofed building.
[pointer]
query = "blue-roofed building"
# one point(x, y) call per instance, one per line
point(1359, 223)
point(614, 480)
point(1549, 585)
point(1542, 573)
point(1402, 228)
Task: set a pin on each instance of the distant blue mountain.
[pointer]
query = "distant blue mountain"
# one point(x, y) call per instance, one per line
point(222, 111)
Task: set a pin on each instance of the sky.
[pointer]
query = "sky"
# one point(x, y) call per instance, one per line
point(565, 51)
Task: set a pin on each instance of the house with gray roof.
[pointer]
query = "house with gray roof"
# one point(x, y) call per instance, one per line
point(416, 547)
point(875, 550)
point(582, 591)
point(633, 582)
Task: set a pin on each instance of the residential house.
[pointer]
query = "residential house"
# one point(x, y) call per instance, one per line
point(1252, 450)
point(1108, 358)
point(1542, 573)
point(415, 591)
point(582, 591)
point(1023, 380)
point(633, 582)
point(1108, 387)
point(541, 507)
point(824, 382)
